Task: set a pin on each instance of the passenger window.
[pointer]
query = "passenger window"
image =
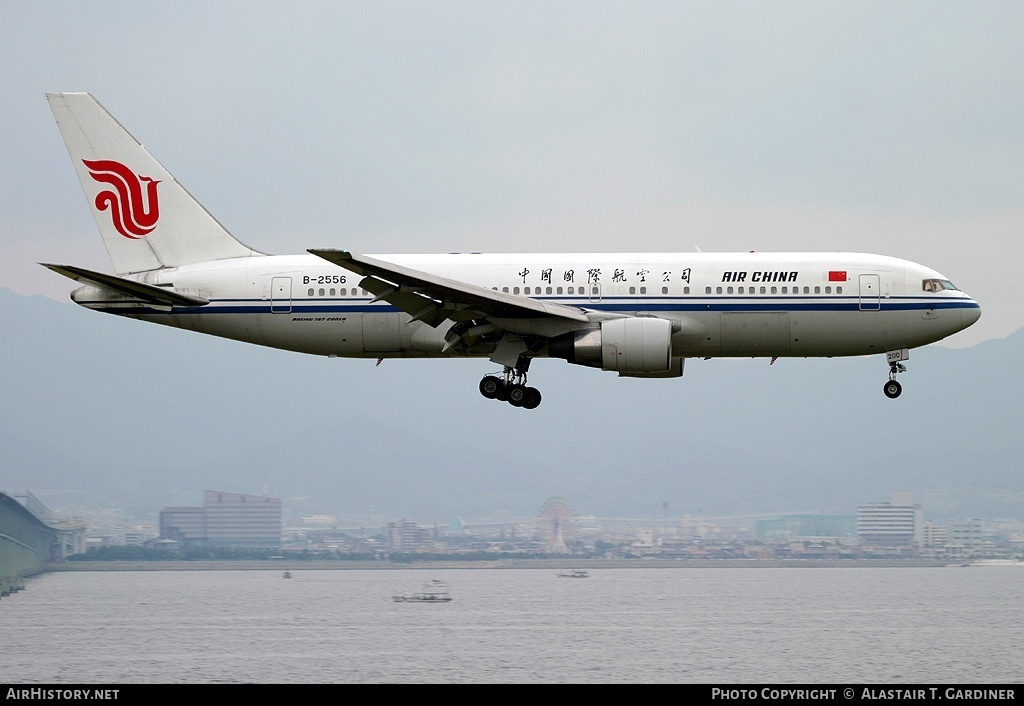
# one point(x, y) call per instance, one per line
point(343, 291)
point(839, 289)
point(643, 290)
point(515, 290)
point(505, 290)
point(763, 290)
point(729, 290)
point(828, 290)
point(718, 290)
point(549, 290)
point(321, 291)
point(817, 290)
point(707, 290)
point(664, 290)
point(686, 290)
point(632, 290)
point(310, 291)
point(775, 290)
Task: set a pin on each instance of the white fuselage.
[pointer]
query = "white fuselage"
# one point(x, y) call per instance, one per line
point(723, 304)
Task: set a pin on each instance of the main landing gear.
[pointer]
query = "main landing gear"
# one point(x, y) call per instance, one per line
point(892, 389)
point(510, 387)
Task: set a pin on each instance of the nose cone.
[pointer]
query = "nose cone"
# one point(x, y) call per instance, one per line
point(970, 313)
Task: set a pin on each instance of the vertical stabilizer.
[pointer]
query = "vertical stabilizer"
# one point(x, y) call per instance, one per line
point(147, 219)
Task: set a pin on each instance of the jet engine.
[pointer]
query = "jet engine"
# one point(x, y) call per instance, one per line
point(627, 345)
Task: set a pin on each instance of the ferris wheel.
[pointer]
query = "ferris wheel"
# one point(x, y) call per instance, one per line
point(556, 525)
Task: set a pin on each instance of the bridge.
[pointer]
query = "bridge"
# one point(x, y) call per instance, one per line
point(30, 539)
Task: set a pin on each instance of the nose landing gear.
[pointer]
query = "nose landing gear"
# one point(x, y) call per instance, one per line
point(511, 388)
point(892, 388)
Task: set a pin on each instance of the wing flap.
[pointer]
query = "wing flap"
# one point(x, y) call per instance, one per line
point(418, 306)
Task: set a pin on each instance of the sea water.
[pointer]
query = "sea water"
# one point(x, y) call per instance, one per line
point(673, 625)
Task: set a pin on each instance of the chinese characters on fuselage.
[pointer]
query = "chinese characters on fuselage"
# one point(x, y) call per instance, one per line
point(618, 275)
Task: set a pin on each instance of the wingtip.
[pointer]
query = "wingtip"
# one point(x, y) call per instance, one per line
point(334, 252)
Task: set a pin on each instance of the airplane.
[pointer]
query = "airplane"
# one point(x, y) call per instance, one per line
point(639, 315)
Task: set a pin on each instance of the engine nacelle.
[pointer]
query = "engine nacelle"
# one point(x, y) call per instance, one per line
point(627, 345)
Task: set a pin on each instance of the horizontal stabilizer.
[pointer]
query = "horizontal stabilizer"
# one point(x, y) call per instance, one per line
point(158, 296)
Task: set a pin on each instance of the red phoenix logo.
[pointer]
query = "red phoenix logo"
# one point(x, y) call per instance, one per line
point(134, 214)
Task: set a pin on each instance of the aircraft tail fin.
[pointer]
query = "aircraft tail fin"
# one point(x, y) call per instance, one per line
point(147, 219)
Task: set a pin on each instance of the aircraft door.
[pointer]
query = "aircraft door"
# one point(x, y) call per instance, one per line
point(870, 293)
point(280, 295)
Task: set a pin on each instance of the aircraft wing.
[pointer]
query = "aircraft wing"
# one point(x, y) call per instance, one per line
point(433, 299)
point(159, 297)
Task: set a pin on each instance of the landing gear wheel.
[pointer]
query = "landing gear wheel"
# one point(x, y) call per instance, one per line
point(532, 398)
point(517, 395)
point(511, 386)
point(490, 386)
point(892, 389)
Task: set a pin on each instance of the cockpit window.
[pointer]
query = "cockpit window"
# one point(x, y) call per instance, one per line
point(938, 285)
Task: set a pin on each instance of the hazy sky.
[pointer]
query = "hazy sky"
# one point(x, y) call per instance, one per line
point(895, 128)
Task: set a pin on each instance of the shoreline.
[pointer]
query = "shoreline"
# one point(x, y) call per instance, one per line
point(545, 564)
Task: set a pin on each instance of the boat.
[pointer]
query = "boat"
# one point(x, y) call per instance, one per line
point(433, 592)
point(575, 574)
point(287, 574)
point(997, 562)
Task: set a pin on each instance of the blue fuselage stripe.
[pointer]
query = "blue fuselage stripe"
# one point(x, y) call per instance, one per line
point(608, 304)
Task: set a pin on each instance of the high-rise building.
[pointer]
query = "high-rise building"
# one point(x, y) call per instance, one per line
point(405, 536)
point(968, 534)
point(237, 520)
point(225, 520)
point(186, 525)
point(892, 524)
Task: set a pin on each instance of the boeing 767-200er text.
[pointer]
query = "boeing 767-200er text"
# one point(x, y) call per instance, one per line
point(637, 314)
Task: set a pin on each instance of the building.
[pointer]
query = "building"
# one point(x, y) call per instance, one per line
point(186, 525)
point(225, 520)
point(935, 537)
point(405, 536)
point(893, 524)
point(793, 527)
point(967, 534)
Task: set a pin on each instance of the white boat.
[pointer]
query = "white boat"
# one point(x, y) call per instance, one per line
point(433, 592)
point(997, 562)
point(576, 574)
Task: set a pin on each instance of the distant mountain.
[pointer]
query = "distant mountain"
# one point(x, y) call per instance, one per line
point(102, 411)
